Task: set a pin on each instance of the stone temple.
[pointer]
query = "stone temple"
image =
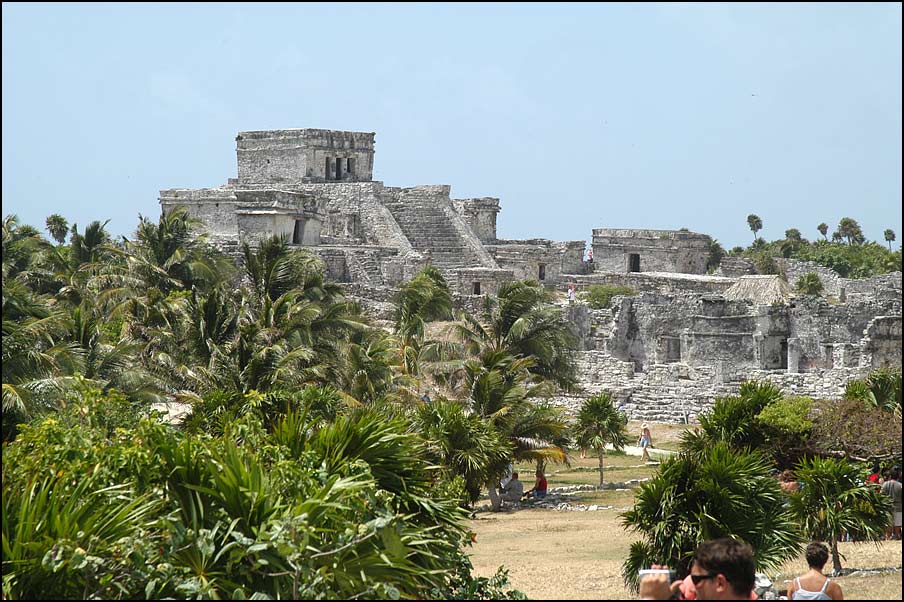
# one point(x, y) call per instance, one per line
point(665, 353)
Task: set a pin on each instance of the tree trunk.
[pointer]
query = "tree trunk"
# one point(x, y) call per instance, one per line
point(836, 557)
point(495, 500)
point(601, 452)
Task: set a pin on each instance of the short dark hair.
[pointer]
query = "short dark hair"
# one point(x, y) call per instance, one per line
point(514, 475)
point(817, 555)
point(732, 558)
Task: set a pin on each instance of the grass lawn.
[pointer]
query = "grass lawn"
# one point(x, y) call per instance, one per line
point(578, 555)
point(553, 554)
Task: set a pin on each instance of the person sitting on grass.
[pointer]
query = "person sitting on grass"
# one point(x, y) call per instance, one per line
point(538, 491)
point(513, 490)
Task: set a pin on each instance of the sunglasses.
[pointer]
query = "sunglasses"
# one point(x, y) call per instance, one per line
point(698, 578)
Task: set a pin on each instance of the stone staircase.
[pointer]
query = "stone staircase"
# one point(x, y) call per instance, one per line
point(428, 226)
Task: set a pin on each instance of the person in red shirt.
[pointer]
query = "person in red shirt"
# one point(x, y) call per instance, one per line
point(538, 491)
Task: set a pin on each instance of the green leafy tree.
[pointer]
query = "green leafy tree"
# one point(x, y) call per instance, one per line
point(599, 424)
point(809, 284)
point(889, 237)
point(755, 224)
point(835, 500)
point(719, 492)
point(58, 227)
point(823, 229)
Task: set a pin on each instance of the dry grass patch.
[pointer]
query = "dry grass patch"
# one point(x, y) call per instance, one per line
point(578, 555)
point(554, 555)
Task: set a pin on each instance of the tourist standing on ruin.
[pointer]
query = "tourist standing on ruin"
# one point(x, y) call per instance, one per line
point(645, 441)
point(892, 488)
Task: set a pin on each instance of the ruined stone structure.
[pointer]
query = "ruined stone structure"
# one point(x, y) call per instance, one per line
point(685, 338)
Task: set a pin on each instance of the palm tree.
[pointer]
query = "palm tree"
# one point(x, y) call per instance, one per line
point(889, 237)
point(500, 390)
point(755, 224)
point(87, 247)
point(849, 228)
point(426, 297)
point(835, 500)
point(600, 424)
point(717, 493)
point(58, 227)
point(823, 229)
point(809, 284)
point(521, 323)
point(463, 443)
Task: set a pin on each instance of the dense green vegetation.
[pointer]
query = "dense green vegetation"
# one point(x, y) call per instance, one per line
point(312, 464)
point(848, 252)
point(599, 296)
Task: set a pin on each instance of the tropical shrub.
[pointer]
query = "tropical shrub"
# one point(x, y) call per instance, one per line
point(835, 501)
point(733, 418)
point(599, 296)
point(809, 284)
point(719, 492)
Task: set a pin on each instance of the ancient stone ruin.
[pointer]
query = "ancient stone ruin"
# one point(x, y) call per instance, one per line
point(666, 352)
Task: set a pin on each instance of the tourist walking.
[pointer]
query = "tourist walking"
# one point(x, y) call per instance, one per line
point(645, 441)
point(814, 585)
point(892, 488)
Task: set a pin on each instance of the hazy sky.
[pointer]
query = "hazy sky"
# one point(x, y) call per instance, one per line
point(576, 116)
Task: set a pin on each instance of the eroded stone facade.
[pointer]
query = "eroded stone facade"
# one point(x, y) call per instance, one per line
point(665, 353)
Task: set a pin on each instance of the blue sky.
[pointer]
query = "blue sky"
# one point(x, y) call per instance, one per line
point(576, 116)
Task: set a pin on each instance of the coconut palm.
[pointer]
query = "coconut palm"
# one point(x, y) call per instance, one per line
point(521, 323)
point(500, 390)
point(600, 424)
point(823, 229)
point(719, 492)
point(464, 444)
point(889, 237)
point(835, 500)
point(426, 297)
point(88, 247)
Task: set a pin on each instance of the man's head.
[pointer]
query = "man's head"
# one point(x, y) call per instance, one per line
point(723, 569)
point(817, 555)
point(514, 476)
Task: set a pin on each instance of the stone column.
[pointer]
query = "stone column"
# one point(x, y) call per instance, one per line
point(793, 355)
point(758, 339)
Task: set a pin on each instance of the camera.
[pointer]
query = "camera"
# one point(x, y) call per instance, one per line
point(673, 576)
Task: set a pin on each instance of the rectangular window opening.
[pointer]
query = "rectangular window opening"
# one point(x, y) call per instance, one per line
point(633, 262)
point(542, 273)
point(476, 288)
point(297, 234)
point(351, 166)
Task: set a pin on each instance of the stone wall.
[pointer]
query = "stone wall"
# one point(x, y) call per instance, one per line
point(427, 219)
point(881, 344)
point(661, 283)
point(292, 156)
point(480, 215)
point(214, 208)
point(735, 267)
point(655, 250)
point(538, 259)
point(678, 392)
